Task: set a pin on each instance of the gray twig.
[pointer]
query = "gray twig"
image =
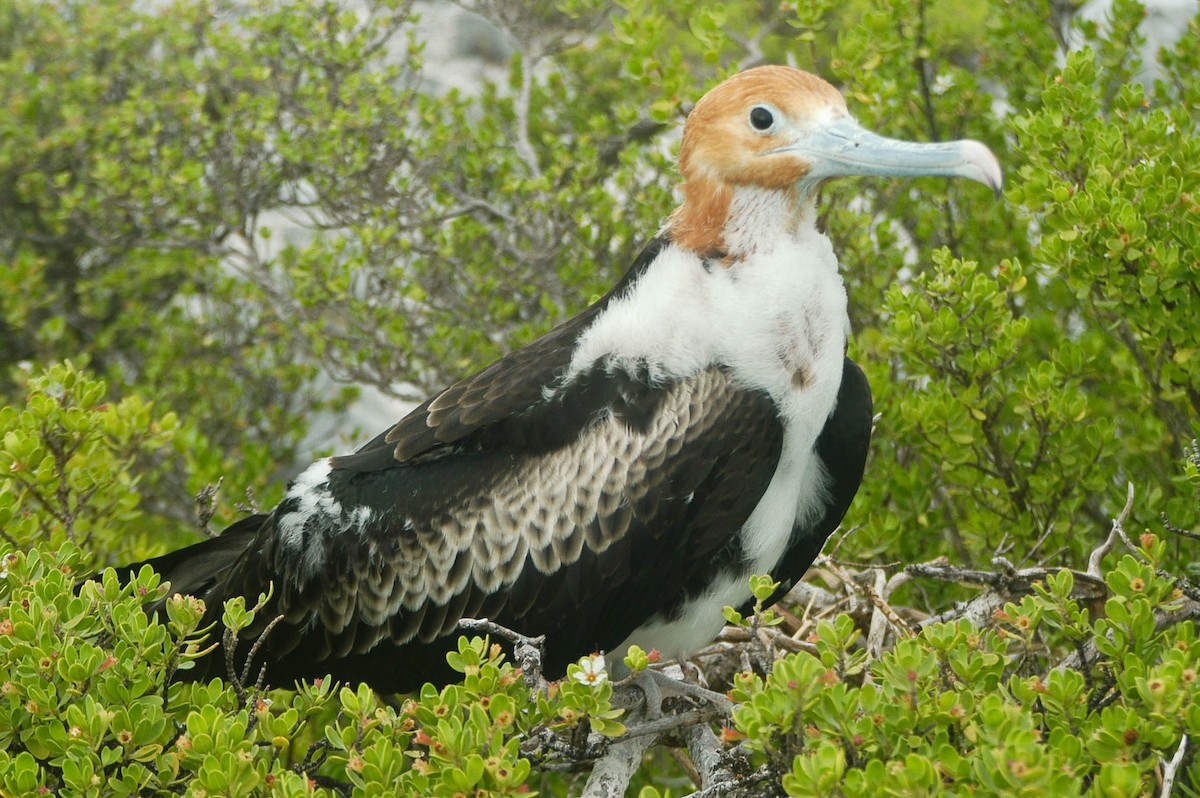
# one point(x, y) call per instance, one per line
point(528, 652)
point(1170, 769)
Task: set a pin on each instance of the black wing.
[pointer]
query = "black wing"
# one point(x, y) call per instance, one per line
point(577, 511)
point(631, 514)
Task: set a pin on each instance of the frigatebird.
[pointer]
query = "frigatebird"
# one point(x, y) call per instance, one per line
point(617, 480)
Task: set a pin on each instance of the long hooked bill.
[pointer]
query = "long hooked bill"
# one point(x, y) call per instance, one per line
point(843, 148)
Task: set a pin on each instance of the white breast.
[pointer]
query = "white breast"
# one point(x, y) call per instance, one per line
point(777, 320)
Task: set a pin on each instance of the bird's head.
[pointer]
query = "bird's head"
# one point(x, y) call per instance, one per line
point(775, 129)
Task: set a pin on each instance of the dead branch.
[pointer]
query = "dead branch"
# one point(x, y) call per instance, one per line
point(874, 595)
point(527, 651)
point(705, 751)
point(1170, 769)
point(612, 772)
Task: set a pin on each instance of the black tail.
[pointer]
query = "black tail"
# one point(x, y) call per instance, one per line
point(200, 570)
point(197, 570)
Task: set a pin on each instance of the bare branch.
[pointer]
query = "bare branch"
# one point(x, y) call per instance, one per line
point(1004, 584)
point(262, 638)
point(878, 630)
point(523, 144)
point(206, 506)
point(612, 773)
point(739, 634)
point(873, 595)
point(528, 652)
point(679, 721)
point(744, 786)
point(705, 751)
point(1189, 610)
point(1118, 526)
point(1016, 582)
point(1170, 769)
point(1184, 533)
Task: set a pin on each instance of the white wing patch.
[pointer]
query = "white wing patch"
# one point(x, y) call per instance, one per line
point(312, 499)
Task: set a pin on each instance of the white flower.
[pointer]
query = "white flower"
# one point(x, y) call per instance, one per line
point(591, 671)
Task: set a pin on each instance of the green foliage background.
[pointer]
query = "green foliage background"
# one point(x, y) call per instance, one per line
point(1029, 357)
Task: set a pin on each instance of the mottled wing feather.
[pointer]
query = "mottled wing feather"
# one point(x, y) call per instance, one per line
point(533, 537)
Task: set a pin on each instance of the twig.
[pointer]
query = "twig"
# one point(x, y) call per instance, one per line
point(813, 596)
point(314, 758)
point(1171, 527)
point(741, 786)
point(528, 652)
point(1118, 529)
point(686, 765)
point(229, 643)
point(523, 144)
point(739, 634)
point(254, 649)
point(1086, 655)
point(879, 602)
point(668, 685)
point(206, 506)
point(1011, 583)
point(1118, 526)
point(1038, 543)
point(878, 629)
point(1171, 768)
point(1002, 585)
point(978, 610)
point(1101, 552)
point(679, 720)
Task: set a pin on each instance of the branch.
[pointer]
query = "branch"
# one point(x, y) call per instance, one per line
point(240, 682)
point(878, 630)
point(528, 652)
point(705, 750)
point(686, 720)
point(612, 773)
point(1118, 526)
point(740, 634)
point(878, 601)
point(523, 143)
point(1171, 768)
point(1189, 610)
point(1004, 584)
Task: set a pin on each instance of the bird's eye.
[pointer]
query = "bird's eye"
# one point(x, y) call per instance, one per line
point(761, 118)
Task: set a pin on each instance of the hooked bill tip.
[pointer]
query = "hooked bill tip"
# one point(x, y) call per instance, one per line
point(981, 165)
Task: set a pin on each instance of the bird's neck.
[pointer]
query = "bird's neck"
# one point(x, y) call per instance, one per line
point(734, 221)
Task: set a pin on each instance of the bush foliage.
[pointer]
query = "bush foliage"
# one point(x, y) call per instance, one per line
point(159, 333)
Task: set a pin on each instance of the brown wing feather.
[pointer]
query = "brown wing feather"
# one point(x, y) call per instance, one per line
point(509, 385)
point(542, 522)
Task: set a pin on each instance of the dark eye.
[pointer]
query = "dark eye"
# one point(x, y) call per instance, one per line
point(761, 118)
